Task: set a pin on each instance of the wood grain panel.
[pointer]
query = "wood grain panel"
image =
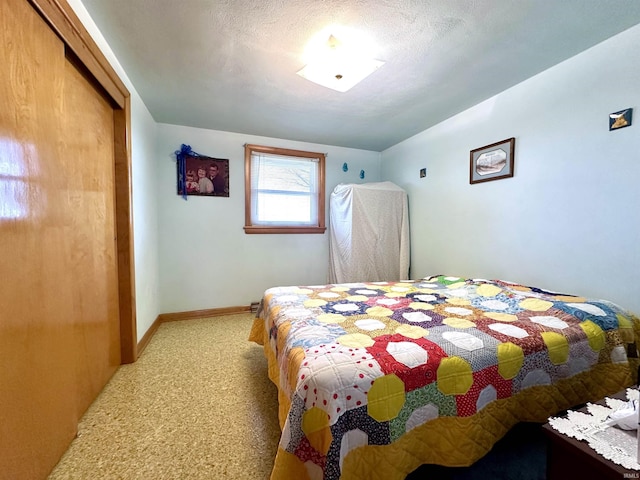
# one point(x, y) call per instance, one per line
point(36, 338)
point(88, 200)
point(124, 226)
point(59, 325)
point(65, 22)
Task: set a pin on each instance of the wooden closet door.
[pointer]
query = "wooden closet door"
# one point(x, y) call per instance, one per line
point(59, 325)
point(88, 197)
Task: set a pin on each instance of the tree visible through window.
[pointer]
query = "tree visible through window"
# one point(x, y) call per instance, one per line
point(284, 190)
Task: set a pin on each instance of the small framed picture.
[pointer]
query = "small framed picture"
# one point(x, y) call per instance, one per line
point(205, 176)
point(620, 119)
point(492, 162)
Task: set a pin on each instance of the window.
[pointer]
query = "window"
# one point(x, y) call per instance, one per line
point(284, 190)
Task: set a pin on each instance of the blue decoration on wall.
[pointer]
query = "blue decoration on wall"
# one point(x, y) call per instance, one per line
point(362, 174)
point(345, 167)
point(185, 150)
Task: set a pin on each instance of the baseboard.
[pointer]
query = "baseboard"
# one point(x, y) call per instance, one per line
point(212, 312)
point(192, 315)
point(146, 338)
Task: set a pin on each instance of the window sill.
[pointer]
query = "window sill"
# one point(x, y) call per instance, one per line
point(251, 229)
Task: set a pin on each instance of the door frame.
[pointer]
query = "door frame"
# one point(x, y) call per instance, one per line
point(65, 23)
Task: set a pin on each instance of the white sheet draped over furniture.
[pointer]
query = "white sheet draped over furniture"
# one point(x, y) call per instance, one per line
point(369, 233)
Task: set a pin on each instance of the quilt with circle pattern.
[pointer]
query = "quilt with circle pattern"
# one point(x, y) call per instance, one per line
point(375, 379)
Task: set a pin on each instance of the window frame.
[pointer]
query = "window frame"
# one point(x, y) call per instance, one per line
point(248, 226)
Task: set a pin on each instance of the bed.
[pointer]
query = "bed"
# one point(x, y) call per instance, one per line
point(375, 379)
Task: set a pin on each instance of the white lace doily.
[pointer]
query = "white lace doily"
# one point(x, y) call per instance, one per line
point(619, 446)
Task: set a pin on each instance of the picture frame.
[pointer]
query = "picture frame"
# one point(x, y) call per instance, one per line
point(492, 162)
point(204, 176)
point(621, 119)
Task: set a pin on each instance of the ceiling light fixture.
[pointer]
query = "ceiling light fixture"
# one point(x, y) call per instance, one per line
point(337, 64)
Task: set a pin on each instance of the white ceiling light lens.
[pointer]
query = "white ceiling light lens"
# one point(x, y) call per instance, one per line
point(338, 62)
point(339, 77)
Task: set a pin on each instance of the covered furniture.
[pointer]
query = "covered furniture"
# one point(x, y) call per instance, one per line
point(368, 233)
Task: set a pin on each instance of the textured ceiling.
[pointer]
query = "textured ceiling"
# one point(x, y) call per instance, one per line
point(231, 64)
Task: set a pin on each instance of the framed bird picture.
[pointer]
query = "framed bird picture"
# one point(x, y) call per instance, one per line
point(621, 119)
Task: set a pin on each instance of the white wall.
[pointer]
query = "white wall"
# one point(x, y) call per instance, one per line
point(145, 211)
point(570, 218)
point(145, 216)
point(206, 259)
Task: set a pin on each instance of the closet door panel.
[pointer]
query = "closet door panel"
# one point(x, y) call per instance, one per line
point(37, 400)
point(58, 291)
point(86, 151)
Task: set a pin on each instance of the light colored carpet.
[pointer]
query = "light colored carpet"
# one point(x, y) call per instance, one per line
point(196, 405)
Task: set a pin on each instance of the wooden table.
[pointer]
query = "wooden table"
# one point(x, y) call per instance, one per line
point(568, 458)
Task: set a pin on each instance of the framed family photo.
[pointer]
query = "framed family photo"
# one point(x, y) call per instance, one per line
point(492, 162)
point(204, 176)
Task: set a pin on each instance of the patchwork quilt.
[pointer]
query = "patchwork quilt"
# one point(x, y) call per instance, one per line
point(375, 379)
